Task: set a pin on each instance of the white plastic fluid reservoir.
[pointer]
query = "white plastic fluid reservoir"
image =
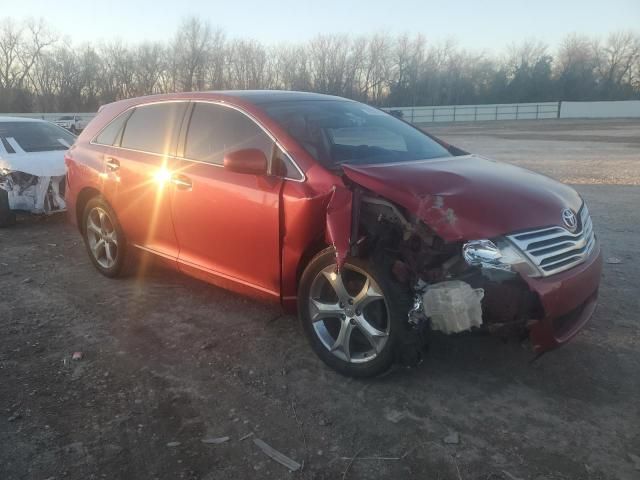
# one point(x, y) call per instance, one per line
point(453, 306)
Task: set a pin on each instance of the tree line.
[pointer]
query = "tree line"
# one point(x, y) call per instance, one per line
point(41, 72)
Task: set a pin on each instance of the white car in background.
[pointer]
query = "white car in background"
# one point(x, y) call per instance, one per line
point(73, 123)
point(32, 168)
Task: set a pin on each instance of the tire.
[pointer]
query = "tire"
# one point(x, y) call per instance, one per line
point(7, 217)
point(100, 224)
point(374, 321)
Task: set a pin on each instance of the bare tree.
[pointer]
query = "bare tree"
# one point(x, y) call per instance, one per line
point(20, 47)
point(118, 71)
point(149, 65)
point(217, 60)
point(615, 60)
point(39, 72)
point(192, 46)
point(575, 68)
point(328, 56)
point(374, 84)
point(248, 65)
point(291, 68)
point(408, 57)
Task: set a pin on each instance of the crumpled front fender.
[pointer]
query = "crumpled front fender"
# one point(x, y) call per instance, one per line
point(338, 222)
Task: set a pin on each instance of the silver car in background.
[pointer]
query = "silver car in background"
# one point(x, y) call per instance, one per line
point(73, 123)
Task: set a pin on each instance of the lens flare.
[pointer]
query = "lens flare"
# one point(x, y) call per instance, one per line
point(162, 176)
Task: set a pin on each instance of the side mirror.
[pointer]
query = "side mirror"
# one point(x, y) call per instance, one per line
point(248, 160)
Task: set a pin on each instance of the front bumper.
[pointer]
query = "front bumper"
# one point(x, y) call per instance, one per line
point(568, 300)
point(38, 195)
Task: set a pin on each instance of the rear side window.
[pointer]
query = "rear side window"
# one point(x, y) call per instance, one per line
point(214, 130)
point(154, 128)
point(111, 134)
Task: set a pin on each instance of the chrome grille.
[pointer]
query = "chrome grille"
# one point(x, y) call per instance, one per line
point(556, 249)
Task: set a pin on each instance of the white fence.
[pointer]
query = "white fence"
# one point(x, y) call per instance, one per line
point(518, 111)
point(469, 113)
point(475, 113)
point(627, 108)
point(51, 117)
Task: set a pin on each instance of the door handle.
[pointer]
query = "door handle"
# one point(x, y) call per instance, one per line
point(112, 164)
point(182, 182)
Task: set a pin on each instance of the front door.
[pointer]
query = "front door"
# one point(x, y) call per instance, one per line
point(227, 224)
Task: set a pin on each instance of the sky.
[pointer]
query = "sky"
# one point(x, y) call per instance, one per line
point(480, 24)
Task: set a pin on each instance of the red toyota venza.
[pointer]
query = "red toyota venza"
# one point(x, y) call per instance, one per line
point(373, 231)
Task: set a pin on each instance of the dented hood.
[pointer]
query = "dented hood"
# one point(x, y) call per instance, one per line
point(39, 164)
point(469, 197)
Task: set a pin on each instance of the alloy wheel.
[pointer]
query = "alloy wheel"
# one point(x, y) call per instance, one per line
point(102, 237)
point(349, 313)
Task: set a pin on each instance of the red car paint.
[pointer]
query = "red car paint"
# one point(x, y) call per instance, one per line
point(469, 197)
point(574, 293)
point(261, 245)
point(339, 216)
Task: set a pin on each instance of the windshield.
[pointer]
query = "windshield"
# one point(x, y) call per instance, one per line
point(338, 132)
point(34, 136)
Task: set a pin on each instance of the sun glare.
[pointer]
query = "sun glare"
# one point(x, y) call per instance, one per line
point(162, 176)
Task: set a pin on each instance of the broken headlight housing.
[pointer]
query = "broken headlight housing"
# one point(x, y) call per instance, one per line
point(4, 175)
point(497, 254)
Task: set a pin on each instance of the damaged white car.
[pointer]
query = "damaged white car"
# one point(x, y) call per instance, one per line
point(32, 169)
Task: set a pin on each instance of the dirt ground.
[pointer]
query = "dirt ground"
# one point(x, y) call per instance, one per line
point(169, 361)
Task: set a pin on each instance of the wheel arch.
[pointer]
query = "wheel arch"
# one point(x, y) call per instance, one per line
point(83, 198)
point(291, 283)
point(314, 248)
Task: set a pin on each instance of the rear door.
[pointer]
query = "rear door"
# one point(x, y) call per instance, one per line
point(140, 162)
point(227, 223)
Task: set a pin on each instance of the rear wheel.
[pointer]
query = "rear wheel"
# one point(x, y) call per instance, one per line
point(351, 318)
point(104, 238)
point(7, 217)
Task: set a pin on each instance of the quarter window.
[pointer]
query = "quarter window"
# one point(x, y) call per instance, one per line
point(154, 128)
point(110, 135)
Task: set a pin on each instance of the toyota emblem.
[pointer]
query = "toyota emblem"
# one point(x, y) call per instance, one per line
point(569, 218)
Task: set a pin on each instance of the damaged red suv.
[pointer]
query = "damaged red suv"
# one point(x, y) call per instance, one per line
point(372, 230)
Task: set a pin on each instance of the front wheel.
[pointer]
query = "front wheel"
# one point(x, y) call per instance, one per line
point(352, 318)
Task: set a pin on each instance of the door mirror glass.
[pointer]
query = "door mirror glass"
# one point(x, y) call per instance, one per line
point(248, 160)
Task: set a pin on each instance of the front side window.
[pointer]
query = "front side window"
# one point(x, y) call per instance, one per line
point(154, 128)
point(337, 132)
point(35, 136)
point(215, 130)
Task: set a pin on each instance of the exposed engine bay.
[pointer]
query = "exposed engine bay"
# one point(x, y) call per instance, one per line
point(449, 294)
point(33, 194)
